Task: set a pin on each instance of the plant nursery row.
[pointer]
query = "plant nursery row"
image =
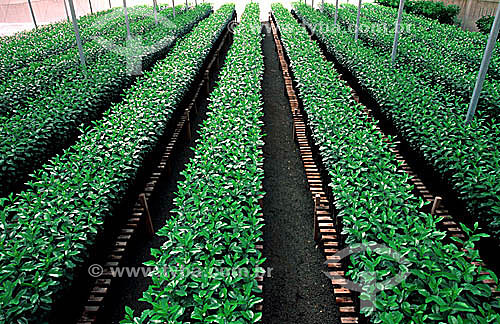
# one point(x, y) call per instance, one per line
point(375, 199)
point(81, 143)
point(47, 109)
point(216, 221)
point(423, 51)
point(431, 123)
point(51, 226)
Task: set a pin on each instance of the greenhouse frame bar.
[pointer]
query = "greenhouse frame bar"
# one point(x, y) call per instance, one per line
point(490, 46)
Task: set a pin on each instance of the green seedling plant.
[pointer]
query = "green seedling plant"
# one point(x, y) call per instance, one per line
point(484, 24)
point(48, 230)
point(375, 202)
point(215, 223)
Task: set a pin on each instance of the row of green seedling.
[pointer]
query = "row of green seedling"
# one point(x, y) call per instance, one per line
point(406, 271)
point(36, 45)
point(433, 57)
point(25, 48)
point(465, 46)
point(29, 82)
point(448, 31)
point(49, 230)
point(466, 157)
point(207, 267)
point(50, 121)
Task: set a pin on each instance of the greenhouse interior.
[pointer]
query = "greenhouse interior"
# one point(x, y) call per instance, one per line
point(249, 162)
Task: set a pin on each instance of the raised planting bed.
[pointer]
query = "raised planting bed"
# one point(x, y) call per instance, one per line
point(429, 125)
point(100, 300)
point(441, 61)
point(50, 229)
point(374, 204)
point(36, 45)
point(216, 226)
point(19, 88)
point(53, 119)
point(465, 46)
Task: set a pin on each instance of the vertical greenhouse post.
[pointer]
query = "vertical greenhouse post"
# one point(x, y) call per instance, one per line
point(186, 6)
point(90, 5)
point(126, 19)
point(467, 12)
point(66, 9)
point(336, 12)
point(398, 30)
point(109, 4)
point(155, 12)
point(173, 7)
point(356, 32)
point(312, 3)
point(490, 46)
point(77, 35)
point(322, 4)
point(32, 14)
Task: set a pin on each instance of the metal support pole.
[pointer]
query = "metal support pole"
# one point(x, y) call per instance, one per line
point(435, 204)
point(490, 46)
point(196, 3)
point(398, 30)
point(32, 14)
point(109, 4)
point(77, 35)
point(336, 12)
point(90, 4)
point(126, 19)
point(66, 10)
point(173, 7)
point(316, 233)
point(467, 12)
point(312, 3)
point(149, 224)
point(356, 32)
point(186, 6)
point(155, 12)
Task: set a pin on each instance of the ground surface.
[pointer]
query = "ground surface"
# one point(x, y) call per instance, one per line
point(298, 291)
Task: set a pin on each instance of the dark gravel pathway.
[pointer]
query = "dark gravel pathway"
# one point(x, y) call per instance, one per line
point(297, 291)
